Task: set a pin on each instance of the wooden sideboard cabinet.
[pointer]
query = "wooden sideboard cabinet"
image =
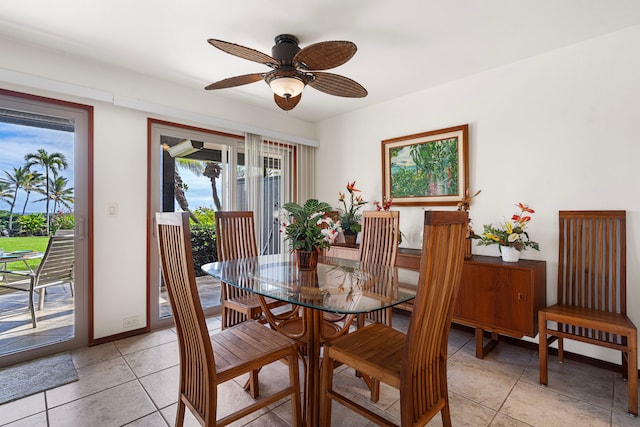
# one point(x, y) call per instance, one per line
point(495, 296)
point(501, 297)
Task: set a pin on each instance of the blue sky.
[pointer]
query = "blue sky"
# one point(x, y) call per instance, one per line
point(199, 193)
point(17, 140)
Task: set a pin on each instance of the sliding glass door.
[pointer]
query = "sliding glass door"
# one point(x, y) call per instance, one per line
point(200, 172)
point(44, 192)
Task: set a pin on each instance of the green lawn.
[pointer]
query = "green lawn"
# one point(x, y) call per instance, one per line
point(10, 244)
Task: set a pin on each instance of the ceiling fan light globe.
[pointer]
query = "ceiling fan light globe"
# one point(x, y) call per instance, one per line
point(286, 87)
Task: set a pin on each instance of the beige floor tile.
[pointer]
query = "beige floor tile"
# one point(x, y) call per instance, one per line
point(574, 379)
point(623, 419)
point(539, 406)
point(504, 358)
point(502, 420)
point(471, 378)
point(162, 386)
point(457, 340)
point(90, 355)
point(113, 407)
point(22, 408)
point(621, 394)
point(154, 359)
point(169, 415)
point(142, 342)
point(92, 379)
point(37, 420)
point(153, 420)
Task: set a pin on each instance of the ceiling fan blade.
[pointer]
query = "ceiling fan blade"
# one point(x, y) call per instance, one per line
point(333, 84)
point(245, 52)
point(287, 103)
point(235, 81)
point(325, 55)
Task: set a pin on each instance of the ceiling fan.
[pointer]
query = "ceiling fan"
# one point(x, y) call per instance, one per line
point(294, 68)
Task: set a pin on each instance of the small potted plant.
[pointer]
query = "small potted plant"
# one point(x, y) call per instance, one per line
point(511, 236)
point(309, 228)
point(350, 218)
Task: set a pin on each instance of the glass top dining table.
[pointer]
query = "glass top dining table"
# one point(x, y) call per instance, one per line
point(337, 285)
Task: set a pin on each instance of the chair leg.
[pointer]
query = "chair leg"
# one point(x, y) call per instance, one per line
point(32, 310)
point(254, 385)
point(632, 366)
point(180, 412)
point(560, 350)
point(542, 347)
point(445, 413)
point(326, 381)
point(294, 375)
point(41, 293)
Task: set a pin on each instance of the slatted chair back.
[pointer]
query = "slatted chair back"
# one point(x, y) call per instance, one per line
point(380, 231)
point(57, 265)
point(423, 390)
point(592, 263)
point(197, 365)
point(235, 235)
point(235, 238)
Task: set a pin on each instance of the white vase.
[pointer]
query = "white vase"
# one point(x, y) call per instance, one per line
point(509, 254)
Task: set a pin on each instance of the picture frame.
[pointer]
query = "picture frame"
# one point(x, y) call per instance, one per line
point(426, 169)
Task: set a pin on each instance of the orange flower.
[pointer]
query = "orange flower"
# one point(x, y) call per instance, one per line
point(340, 197)
point(351, 187)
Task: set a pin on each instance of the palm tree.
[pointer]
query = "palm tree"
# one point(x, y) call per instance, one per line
point(60, 194)
point(6, 195)
point(49, 162)
point(33, 182)
point(15, 182)
point(213, 171)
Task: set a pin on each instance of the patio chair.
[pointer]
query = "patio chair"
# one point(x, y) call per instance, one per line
point(415, 363)
point(206, 362)
point(56, 268)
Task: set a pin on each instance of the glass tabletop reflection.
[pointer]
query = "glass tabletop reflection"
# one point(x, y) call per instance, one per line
point(337, 285)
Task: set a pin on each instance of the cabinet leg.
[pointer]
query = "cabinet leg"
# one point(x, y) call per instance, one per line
point(483, 350)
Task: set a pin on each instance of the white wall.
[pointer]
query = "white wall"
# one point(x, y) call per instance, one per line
point(120, 160)
point(558, 131)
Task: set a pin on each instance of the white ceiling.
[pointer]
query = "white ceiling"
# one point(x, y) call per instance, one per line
point(403, 45)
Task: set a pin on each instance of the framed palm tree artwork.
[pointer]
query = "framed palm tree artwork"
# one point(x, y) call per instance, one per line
point(429, 168)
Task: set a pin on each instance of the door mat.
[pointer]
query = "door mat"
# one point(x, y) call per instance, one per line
point(38, 375)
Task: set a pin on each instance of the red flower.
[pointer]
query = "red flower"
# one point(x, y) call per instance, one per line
point(525, 208)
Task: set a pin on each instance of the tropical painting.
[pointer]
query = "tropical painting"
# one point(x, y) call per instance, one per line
point(428, 168)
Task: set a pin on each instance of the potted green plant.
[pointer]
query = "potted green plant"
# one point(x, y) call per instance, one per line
point(309, 228)
point(350, 218)
point(511, 236)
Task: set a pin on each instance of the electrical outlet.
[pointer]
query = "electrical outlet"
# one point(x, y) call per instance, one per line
point(130, 322)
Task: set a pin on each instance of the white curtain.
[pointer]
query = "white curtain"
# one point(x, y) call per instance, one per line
point(269, 181)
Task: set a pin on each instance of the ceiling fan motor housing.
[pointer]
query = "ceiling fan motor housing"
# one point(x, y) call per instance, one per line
point(285, 48)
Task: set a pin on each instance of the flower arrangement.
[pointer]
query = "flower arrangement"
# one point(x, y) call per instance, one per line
point(510, 233)
point(385, 205)
point(350, 219)
point(308, 227)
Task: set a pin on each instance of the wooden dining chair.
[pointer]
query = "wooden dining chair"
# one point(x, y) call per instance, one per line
point(206, 362)
point(380, 232)
point(592, 296)
point(236, 238)
point(415, 363)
